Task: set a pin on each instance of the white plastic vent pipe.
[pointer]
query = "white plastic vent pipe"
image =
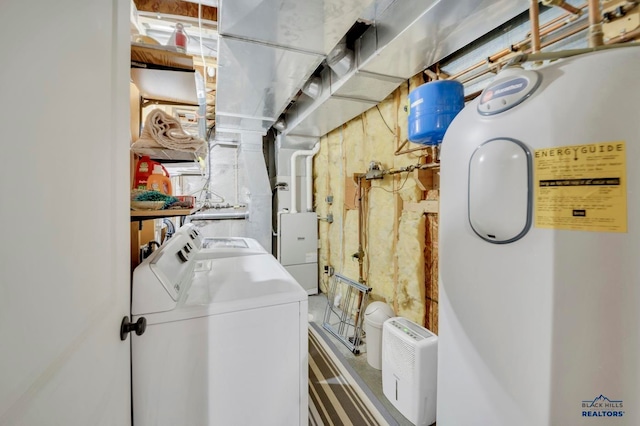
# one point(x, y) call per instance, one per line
point(309, 178)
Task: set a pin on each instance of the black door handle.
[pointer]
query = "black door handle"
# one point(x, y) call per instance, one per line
point(127, 326)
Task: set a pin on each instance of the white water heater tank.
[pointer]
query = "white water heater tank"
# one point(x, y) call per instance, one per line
point(409, 369)
point(539, 298)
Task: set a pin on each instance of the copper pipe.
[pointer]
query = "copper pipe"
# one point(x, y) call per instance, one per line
point(534, 17)
point(432, 75)
point(553, 28)
point(625, 37)
point(549, 29)
point(489, 60)
point(563, 54)
point(549, 23)
point(472, 96)
point(468, 79)
point(547, 43)
point(409, 150)
point(571, 9)
point(399, 151)
point(466, 70)
point(566, 16)
point(361, 197)
point(501, 54)
point(594, 12)
point(406, 151)
point(575, 30)
point(545, 29)
point(596, 36)
point(406, 141)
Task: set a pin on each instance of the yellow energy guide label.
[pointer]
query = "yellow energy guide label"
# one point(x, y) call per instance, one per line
point(581, 187)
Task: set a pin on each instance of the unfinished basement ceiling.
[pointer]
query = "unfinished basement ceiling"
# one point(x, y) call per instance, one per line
point(267, 50)
point(270, 48)
point(405, 40)
point(157, 19)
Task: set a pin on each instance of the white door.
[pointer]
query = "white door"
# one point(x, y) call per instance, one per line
point(64, 229)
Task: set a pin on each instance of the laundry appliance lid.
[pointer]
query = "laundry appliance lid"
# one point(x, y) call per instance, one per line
point(231, 284)
point(219, 247)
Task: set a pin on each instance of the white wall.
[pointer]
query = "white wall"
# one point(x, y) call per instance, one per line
point(64, 191)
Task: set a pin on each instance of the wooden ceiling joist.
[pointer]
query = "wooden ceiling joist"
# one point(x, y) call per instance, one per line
point(177, 7)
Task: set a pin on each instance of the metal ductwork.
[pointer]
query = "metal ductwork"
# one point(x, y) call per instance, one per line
point(268, 50)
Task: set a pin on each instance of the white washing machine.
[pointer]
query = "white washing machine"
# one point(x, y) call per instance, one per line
point(226, 336)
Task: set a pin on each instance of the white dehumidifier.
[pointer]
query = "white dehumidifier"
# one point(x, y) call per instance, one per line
point(409, 369)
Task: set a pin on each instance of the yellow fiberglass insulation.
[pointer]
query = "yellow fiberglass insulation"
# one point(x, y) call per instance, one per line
point(349, 265)
point(380, 139)
point(403, 116)
point(321, 191)
point(354, 148)
point(394, 235)
point(380, 239)
point(321, 178)
point(323, 255)
point(334, 172)
point(410, 295)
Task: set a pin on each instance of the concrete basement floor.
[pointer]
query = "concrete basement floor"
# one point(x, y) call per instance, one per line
point(371, 376)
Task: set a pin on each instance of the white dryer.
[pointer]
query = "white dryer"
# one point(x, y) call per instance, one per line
point(226, 337)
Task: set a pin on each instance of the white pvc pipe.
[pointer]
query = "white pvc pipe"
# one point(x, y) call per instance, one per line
point(294, 184)
point(309, 171)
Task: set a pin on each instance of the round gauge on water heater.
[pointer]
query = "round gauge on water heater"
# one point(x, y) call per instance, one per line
point(508, 90)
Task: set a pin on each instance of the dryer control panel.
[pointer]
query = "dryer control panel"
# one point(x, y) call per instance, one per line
point(159, 281)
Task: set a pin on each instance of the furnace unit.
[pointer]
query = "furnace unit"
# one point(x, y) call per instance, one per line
point(298, 248)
